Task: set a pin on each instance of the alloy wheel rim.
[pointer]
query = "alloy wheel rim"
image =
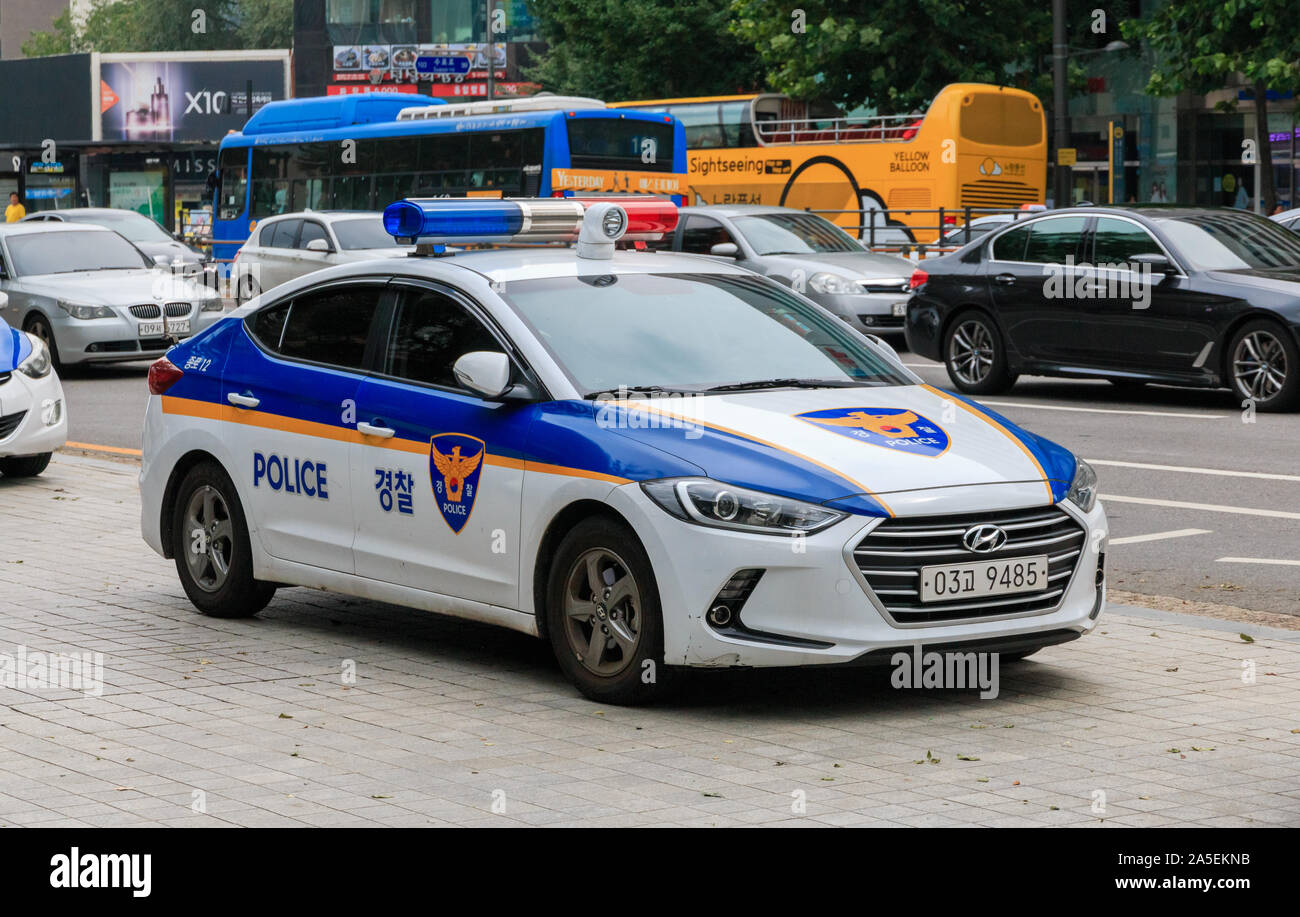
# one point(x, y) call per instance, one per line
point(42, 331)
point(970, 352)
point(209, 538)
point(1259, 365)
point(602, 612)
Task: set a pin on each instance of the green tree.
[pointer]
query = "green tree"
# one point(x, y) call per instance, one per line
point(636, 49)
point(896, 54)
point(1201, 45)
point(169, 25)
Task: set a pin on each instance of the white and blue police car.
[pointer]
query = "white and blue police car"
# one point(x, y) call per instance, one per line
point(32, 420)
point(652, 460)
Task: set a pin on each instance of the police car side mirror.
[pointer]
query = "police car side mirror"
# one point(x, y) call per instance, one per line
point(484, 372)
point(725, 250)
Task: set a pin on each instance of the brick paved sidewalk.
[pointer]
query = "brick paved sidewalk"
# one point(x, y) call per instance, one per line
point(216, 723)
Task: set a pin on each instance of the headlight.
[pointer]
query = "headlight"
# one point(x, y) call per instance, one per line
point(707, 502)
point(85, 310)
point(833, 283)
point(37, 364)
point(1083, 491)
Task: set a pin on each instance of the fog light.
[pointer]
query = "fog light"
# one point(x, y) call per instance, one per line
point(51, 411)
point(1101, 569)
point(724, 610)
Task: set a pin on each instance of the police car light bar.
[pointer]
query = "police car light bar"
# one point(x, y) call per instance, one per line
point(425, 220)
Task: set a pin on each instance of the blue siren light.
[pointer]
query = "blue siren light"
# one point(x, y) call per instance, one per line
point(445, 217)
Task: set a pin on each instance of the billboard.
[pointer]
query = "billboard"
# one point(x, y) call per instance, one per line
point(151, 98)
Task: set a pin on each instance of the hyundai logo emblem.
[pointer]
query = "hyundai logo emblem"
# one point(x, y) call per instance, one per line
point(984, 539)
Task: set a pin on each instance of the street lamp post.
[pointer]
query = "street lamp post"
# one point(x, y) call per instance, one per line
point(1060, 113)
point(489, 53)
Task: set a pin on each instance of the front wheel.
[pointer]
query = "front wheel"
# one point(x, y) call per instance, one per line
point(603, 614)
point(39, 325)
point(24, 466)
point(1264, 366)
point(211, 547)
point(976, 356)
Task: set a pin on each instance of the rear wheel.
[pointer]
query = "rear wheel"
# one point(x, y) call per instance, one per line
point(24, 466)
point(976, 356)
point(603, 614)
point(1264, 366)
point(211, 547)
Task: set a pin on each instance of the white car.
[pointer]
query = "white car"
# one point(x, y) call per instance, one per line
point(33, 422)
point(292, 244)
point(650, 459)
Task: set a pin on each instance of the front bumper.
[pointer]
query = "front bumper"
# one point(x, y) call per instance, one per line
point(43, 426)
point(117, 339)
point(809, 607)
point(870, 313)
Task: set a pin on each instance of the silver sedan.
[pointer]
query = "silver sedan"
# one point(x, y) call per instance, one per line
point(806, 252)
point(92, 296)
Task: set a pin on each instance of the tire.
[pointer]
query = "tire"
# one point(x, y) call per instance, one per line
point(218, 576)
point(976, 356)
point(627, 667)
point(39, 325)
point(246, 288)
point(1263, 366)
point(24, 466)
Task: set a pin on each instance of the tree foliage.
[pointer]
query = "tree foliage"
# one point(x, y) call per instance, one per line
point(168, 25)
point(1201, 45)
point(896, 54)
point(636, 49)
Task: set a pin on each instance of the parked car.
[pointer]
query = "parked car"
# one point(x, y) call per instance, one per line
point(1190, 296)
point(92, 296)
point(803, 250)
point(146, 234)
point(1290, 219)
point(292, 244)
point(978, 227)
point(33, 422)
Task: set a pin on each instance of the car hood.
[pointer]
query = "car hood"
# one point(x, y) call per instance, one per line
point(14, 348)
point(111, 288)
point(175, 251)
point(1286, 282)
point(902, 450)
point(846, 264)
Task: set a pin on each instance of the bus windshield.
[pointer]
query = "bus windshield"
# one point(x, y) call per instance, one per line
point(621, 143)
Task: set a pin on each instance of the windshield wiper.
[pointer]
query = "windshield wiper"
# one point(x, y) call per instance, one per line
point(647, 389)
point(788, 383)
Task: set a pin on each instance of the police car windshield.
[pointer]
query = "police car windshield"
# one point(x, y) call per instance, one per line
point(692, 332)
point(793, 234)
point(363, 233)
point(65, 251)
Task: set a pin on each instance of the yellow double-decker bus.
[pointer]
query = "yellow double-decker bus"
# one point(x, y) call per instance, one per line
point(976, 145)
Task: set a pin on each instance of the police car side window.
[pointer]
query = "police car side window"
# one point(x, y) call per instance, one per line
point(268, 325)
point(331, 326)
point(431, 333)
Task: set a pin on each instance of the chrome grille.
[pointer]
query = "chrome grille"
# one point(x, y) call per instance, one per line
point(151, 310)
point(9, 423)
point(892, 554)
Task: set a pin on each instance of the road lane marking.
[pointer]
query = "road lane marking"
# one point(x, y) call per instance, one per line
point(1261, 475)
point(1159, 536)
point(1205, 507)
point(92, 447)
point(1259, 560)
point(1061, 407)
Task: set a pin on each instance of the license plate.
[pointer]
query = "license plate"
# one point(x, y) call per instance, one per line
point(155, 329)
point(900, 308)
point(951, 582)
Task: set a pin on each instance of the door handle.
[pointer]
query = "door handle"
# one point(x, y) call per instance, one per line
point(369, 429)
point(243, 401)
point(1005, 279)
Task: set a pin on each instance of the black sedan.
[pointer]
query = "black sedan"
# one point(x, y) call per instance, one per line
point(1202, 297)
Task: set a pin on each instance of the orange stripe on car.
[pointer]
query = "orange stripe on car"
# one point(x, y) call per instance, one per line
point(1001, 429)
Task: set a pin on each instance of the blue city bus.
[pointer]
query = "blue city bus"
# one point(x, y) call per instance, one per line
point(364, 151)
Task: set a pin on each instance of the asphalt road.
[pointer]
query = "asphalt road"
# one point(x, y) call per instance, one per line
point(1203, 505)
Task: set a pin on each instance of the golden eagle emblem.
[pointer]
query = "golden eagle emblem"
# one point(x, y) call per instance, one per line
point(454, 468)
point(894, 426)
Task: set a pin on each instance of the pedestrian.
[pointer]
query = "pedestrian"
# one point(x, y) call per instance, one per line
point(15, 211)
